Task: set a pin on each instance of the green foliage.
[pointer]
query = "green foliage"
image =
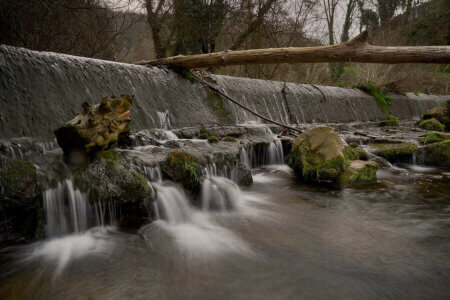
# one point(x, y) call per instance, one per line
point(432, 124)
point(185, 168)
point(434, 137)
point(383, 99)
point(213, 139)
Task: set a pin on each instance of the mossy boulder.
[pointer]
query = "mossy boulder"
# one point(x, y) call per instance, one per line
point(359, 173)
point(432, 124)
point(182, 167)
point(318, 154)
point(434, 137)
point(438, 154)
point(97, 128)
point(390, 122)
point(213, 139)
point(110, 179)
point(20, 198)
point(398, 152)
point(440, 113)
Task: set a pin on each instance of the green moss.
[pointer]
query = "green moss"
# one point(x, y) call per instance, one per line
point(432, 124)
point(204, 136)
point(138, 188)
point(362, 174)
point(213, 139)
point(229, 139)
point(109, 157)
point(438, 154)
point(383, 99)
point(391, 122)
point(361, 153)
point(16, 172)
point(434, 137)
point(395, 152)
point(310, 165)
point(350, 154)
point(216, 103)
point(353, 145)
point(185, 168)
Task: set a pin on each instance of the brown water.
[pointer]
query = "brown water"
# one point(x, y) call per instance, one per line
point(284, 240)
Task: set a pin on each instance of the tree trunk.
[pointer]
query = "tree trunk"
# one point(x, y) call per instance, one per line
point(356, 50)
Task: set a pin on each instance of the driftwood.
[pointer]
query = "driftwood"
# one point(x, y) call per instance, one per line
point(355, 50)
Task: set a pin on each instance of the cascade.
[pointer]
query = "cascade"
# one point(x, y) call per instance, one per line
point(68, 210)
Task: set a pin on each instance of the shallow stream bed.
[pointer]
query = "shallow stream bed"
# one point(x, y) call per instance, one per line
point(283, 240)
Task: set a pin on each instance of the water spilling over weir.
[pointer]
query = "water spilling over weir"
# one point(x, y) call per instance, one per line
point(40, 91)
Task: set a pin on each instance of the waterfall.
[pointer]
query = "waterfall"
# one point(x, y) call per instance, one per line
point(219, 193)
point(258, 156)
point(171, 203)
point(164, 119)
point(68, 210)
point(275, 154)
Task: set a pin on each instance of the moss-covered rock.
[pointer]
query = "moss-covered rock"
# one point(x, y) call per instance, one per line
point(390, 122)
point(398, 152)
point(440, 113)
point(434, 137)
point(318, 154)
point(97, 128)
point(438, 154)
point(110, 179)
point(229, 139)
point(204, 136)
point(20, 197)
point(432, 124)
point(213, 139)
point(182, 167)
point(359, 173)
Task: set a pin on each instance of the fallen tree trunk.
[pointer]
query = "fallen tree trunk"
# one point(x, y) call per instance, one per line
point(355, 50)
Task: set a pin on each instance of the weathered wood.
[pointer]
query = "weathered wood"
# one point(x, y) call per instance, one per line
point(355, 50)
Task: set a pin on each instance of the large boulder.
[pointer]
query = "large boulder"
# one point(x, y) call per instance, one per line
point(440, 113)
point(432, 124)
point(97, 128)
point(359, 173)
point(111, 179)
point(317, 154)
point(396, 152)
point(438, 154)
point(20, 199)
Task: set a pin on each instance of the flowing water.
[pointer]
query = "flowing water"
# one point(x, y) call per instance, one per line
point(277, 239)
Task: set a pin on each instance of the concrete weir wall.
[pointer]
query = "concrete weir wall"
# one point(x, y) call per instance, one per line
point(39, 91)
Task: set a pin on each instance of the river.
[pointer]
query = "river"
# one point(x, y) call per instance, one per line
point(279, 240)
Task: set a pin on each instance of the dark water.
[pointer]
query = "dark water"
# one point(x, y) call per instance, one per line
point(285, 240)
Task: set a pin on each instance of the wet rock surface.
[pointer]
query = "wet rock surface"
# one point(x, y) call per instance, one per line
point(359, 173)
point(98, 128)
point(20, 199)
point(121, 176)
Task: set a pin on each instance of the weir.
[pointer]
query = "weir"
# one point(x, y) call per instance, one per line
point(39, 91)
